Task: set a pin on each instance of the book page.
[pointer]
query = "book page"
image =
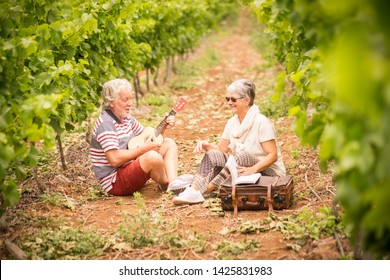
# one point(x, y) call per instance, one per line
point(248, 179)
point(231, 164)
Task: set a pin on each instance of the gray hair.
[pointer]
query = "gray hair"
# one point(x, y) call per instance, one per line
point(245, 88)
point(111, 90)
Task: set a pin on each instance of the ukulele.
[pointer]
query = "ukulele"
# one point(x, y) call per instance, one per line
point(151, 134)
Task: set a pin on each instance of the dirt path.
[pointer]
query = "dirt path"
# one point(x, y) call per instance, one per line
point(203, 118)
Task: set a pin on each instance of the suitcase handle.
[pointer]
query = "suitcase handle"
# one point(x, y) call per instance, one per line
point(259, 201)
point(269, 198)
point(276, 198)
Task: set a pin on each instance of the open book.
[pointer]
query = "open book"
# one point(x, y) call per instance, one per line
point(231, 164)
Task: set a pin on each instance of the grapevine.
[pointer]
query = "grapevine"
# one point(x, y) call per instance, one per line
point(55, 55)
point(336, 56)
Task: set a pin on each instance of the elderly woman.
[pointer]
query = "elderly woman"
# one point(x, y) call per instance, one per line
point(123, 171)
point(249, 136)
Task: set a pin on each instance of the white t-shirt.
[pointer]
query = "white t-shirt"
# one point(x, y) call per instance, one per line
point(261, 131)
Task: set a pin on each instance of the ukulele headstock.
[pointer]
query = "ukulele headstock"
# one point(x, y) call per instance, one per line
point(180, 104)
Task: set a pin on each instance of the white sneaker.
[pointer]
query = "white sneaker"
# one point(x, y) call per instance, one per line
point(180, 184)
point(188, 196)
point(186, 177)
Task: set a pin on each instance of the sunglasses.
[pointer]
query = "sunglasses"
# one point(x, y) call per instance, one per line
point(233, 99)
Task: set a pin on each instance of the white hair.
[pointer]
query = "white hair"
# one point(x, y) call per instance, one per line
point(245, 88)
point(112, 88)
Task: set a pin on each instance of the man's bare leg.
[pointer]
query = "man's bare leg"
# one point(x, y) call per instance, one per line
point(153, 164)
point(169, 152)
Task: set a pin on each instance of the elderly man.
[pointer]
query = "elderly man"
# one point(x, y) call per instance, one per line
point(123, 171)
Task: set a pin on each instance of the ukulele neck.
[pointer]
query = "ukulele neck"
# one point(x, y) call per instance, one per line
point(163, 124)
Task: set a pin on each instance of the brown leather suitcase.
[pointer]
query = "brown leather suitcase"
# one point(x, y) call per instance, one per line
point(269, 192)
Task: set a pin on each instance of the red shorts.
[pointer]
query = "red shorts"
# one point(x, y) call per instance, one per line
point(129, 179)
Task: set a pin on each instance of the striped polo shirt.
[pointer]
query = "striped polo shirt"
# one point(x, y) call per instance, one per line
point(110, 133)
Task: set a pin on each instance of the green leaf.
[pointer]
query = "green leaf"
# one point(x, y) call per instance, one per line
point(30, 45)
point(10, 193)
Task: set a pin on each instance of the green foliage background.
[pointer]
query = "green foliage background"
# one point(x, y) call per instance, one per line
point(55, 55)
point(337, 77)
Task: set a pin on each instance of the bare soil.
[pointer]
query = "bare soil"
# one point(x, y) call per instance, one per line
point(203, 118)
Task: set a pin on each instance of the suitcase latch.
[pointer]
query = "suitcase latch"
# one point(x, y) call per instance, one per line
point(227, 199)
point(279, 199)
point(261, 200)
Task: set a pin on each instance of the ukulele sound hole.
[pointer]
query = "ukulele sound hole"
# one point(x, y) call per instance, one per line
point(149, 139)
